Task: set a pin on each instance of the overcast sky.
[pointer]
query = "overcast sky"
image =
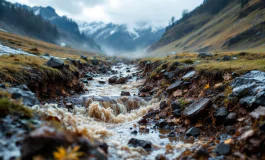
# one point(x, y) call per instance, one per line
point(118, 11)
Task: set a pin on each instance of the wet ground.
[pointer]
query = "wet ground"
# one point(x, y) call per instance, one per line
point(101, 113)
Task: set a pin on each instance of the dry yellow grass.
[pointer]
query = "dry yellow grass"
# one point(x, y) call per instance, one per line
point(27, 44)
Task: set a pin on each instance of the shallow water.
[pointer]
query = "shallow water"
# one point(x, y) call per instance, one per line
point(106, 115)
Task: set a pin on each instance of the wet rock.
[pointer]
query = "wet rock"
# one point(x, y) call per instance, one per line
point(84, 81)
point(147, 145)
point(195, 132)
point(23, 87)
point(223, 137)
point(177, 113)
point(143, 121)
point(169, 75)
point(55, 63)
point(163, 105)
point(89, 76)
point(102, 82)
point(173, 87)
point(83, 57)
point(161, 157)
point(197, 107)
point(226, 58)
point(128, 71)
point(204, 55)
point(134, 132)
point(223, 149)
point(175, 105)
point(113, 79)
point(171, 134)
point(2, 86)
point(95, 62)
point(189, 75)
point(146, 88)
point(124, 93)
point(46, 55)
point(250, 88)
point(45, 140)
point(69, 105)
point(231, 118)
point(162, 123)
point(121, 80)
point(202, 153)
point(28, 98)
point(230, 129)
point(221, 113)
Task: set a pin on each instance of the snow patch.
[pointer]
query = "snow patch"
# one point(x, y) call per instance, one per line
point(37, 12)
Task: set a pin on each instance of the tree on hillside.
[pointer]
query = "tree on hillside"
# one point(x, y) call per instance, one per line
point(185, 13)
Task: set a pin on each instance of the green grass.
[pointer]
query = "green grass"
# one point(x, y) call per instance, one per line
point(8, 107)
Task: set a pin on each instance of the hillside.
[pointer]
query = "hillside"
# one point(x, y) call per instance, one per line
point(229, 25)
point(122, 38)
point(43, 24)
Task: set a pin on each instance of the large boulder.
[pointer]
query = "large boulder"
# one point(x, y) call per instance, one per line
point(113, 79)
point(204, 55)
point(147, 145)
point(250, 89)
point(197, 107)
point(28, 98)
point(55, 63)
point(83, 57)
point(173, 87)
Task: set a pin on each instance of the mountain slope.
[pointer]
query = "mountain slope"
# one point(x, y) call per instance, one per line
point(233, 27)
point(68, 29)
point(121, 38)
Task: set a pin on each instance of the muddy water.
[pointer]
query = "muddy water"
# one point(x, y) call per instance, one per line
point(103, 114)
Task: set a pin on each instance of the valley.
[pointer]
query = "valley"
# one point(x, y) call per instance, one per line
point(197, 92)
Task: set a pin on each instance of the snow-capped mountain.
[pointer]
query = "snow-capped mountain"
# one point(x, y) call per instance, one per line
point(122, 38)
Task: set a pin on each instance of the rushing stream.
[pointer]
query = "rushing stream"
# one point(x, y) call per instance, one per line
point(102, 113)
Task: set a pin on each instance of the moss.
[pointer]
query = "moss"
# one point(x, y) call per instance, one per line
point(228, 91)
point(183, 103)
point(7, 107)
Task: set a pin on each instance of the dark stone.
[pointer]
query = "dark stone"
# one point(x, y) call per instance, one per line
point(173, 87)
point(46, 55)
point(195, 132)
point(134, 132)
point(128, 71)
point(146, 88)
point(102, 82)
point(2, 86)
point(28, 98)
point(162, 123)
point(223, 137)
point(95, 62)
point(169, 75)
point(202, 153)
point(222, 149)
point(171, 134)
point(55, 63)
point(113, 80)
point(163, 105)
point(204, 55)
point(197, 107)
point(83, 57)
point(250, 89)
point(175, 105)
point(89, 76)
point(189, 75)
point(121, 80)
point(124, 93)
point(221, 113)
point(84, 81)
point(177, 113)
point(230, 129)
point(231, 118)
point(226, 58)
point(147, 145)
point(143, 121)
point(69, 105)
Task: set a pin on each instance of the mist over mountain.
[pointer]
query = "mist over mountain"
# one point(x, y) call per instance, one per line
point(118, 38)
